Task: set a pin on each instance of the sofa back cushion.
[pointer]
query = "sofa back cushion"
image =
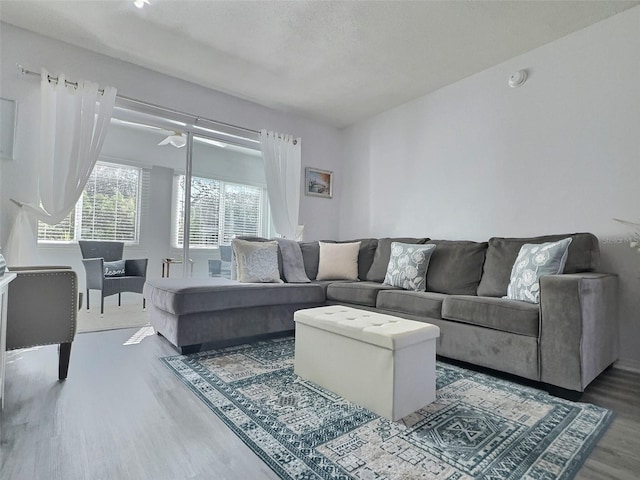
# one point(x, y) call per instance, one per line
point(311, 256)
point(583, 256)
point(365, 255)
point(382, 255)
point(456, 267)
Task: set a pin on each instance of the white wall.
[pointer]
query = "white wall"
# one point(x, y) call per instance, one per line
point(320, 143)
point(478, 159)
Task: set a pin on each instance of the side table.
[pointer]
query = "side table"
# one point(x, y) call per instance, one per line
point(167, 262)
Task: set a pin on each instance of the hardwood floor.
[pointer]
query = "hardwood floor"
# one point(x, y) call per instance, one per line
point(121, 414)
point(617, 455)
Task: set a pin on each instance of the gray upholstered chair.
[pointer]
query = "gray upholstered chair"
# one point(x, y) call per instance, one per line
point(95, 254)
point(221, 267)
point(225, 256)
point(42, 310)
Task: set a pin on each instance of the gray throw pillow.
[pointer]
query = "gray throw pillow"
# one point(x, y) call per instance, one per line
point(256, 262)
point(535, 261)
point(408, 265)
point(114, 269)
point(250, 238)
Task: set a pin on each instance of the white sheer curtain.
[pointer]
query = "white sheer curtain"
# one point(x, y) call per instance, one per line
point(73, 126)
point(282, 164)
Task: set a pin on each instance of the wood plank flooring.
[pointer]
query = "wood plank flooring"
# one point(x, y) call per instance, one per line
point(121, 414)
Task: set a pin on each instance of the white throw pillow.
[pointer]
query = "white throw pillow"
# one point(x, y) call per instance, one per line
point(338, 261)
point(256, 262)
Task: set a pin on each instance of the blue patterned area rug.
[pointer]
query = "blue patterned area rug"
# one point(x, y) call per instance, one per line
point(479, 427)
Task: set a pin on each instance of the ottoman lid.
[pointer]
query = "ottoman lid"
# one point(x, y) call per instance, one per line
point(378, 329)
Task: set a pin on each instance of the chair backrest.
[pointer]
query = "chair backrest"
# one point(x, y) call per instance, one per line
point(225, 253)
point(110, 251)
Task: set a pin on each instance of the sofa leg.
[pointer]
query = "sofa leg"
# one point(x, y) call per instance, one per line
point(64, 353)
point(566, 394)
point(188, 349)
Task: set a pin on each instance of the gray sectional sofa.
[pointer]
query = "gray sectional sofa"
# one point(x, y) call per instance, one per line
point(565, 341)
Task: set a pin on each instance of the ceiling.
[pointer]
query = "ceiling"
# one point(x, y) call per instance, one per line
point(334, 61)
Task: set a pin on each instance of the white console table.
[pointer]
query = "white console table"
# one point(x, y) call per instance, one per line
point(4, 296)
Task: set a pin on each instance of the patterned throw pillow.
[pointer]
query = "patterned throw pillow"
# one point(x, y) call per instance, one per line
point(256, 262)
point(535, 261)
point(114, 269)
point(407, 267)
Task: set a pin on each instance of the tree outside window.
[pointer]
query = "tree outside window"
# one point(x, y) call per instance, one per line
point(109, 208)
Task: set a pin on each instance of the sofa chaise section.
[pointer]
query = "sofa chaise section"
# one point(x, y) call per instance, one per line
point(192, 311)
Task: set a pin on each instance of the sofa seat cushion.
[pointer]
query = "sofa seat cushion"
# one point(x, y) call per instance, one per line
point(182, 296)
point(414, 303)
point(583, 256)
point(511, 316)
point(359, 293)
point(456, 266)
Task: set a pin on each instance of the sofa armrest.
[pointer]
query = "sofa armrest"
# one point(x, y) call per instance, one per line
point(136, 267)
point(578, 328)
point(95, 272)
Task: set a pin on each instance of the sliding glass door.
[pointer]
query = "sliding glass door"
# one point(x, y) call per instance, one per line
point(227, 198)
point(199, 183)
point(163, 177)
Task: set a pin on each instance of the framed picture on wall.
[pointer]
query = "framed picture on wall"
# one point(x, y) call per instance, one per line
point(318, 183)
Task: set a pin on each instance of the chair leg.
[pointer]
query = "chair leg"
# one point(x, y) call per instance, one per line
point(87, 299)
point(102, 306)
point(64, 352)
point(144, 303)
point(119, 300)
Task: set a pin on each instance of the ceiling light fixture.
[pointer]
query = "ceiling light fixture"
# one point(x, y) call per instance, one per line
point(141, 3)
point(178, 140)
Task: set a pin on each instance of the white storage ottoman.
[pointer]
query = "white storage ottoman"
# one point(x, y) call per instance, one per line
point(381, 362)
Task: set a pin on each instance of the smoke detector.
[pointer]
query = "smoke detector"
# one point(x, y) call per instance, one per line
point(518, 78)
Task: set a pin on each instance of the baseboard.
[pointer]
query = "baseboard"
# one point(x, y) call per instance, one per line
point(628, 364)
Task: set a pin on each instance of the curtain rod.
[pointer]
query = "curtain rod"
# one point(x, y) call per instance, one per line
point(26, 71)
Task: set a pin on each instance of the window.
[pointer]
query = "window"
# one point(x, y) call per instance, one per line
point(220, 211)
point(109, 208)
